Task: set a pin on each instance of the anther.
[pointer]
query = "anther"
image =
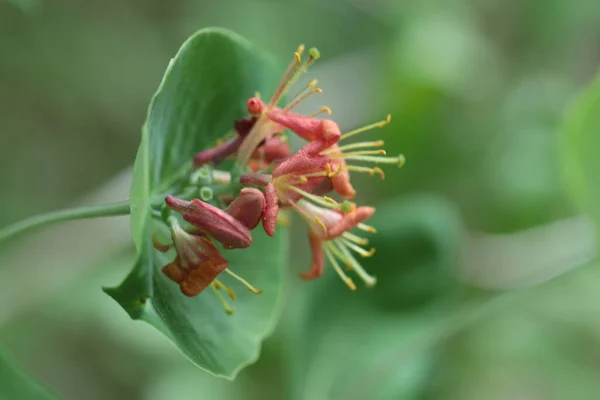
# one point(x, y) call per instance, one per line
point(321, 224)
point(243, 282)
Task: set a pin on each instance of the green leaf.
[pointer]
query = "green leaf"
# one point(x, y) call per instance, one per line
point(15, 383)
point(579, 144)
point(205, 88)
point(379, 343)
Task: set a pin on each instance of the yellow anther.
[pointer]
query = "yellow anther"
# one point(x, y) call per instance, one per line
point(257, 95)
point(379, 172)
point(216, 285)
point(370, 253)
point(313, 83)
point(230, 292)
point(317, 90)
point(350, 284)
point(303, 179)
point(388, 119)
point(321, 223)
point(330, 200)
point(323, 109)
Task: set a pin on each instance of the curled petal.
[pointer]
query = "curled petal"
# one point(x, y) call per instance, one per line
point(248, 207)
point(308, 128)
point(349, 221)
point(197, 264)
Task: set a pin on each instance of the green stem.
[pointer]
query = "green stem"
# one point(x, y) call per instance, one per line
point(38, 221)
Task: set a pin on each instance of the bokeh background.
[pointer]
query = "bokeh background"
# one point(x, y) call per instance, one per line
point(488, 288)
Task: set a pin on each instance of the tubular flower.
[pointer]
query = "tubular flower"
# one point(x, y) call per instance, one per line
point(324, 137)
point(329, 235)
point(301, 181)
point(213, 221)
point(198, 261)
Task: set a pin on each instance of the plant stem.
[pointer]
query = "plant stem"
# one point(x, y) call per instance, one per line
point(38, 221)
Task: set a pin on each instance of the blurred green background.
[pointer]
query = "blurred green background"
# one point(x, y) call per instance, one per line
point(488, 288)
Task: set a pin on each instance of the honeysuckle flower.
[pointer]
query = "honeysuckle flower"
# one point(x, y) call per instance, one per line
point(230, 227)
point(198, 261)
point(324, 137)
point(329, 236)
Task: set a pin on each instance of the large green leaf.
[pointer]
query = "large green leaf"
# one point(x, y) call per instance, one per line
point(579, 143)
point(205, 88)
point(16, 384)
point(378, 343)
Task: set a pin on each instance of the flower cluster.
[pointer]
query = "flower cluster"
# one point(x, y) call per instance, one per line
point(299, 182)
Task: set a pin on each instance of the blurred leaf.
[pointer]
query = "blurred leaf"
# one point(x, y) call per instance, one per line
point(17, 384)
point(579, 144)
point(204, 90)
point(377, 343)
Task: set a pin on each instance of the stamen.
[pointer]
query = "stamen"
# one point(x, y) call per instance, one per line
point(380, 160)
point(295, 103)
point(316, 199)
point(359, 249)
point(324, 109)
point(329, 199)
point(379, 124)
point(307, 89)
point(369, 280)
point(370, 171)
point(313, 54)
point(366, 228)
point(288, 75)
point(321, 223)
point(358, 153)
point(226, 306)
point(347, 280)
point(243, 282)
point(356, 239)
point(221, 285)
point(377, 143)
